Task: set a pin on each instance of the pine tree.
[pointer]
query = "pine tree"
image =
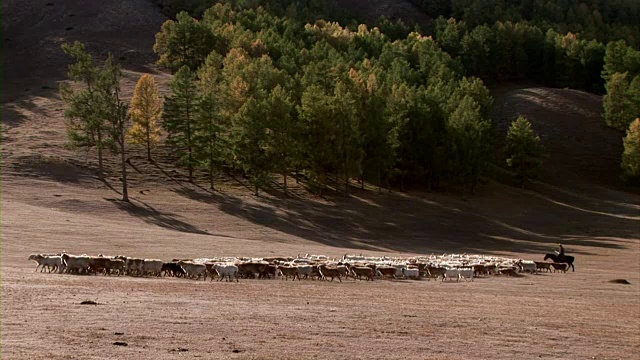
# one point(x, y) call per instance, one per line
point(250, 142)
point(397, 111)
point(631, 154)
point(321, 133)
point(524, 151)
point(283, 130)
point(470, 141)
point(146, 108)
point(633, 95)
point(617, 109)
point(179, 111)
point(184, 42)
point(476, 89)
point(116, 113)
point(374, 128)
point(615, 60)
point(349, 147)
point(85, 128)
point(208, 137)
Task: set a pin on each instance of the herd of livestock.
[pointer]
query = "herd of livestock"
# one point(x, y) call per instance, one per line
point(446, 267)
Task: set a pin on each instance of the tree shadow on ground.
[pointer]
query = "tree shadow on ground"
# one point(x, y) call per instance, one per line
point(406, 223)
point(52, 168)
point(152, 216)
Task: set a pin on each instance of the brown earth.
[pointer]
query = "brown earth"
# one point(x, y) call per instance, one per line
point(52, 201)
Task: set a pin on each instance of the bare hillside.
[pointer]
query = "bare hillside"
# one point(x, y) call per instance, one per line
point(581, 151)
point(34, 30)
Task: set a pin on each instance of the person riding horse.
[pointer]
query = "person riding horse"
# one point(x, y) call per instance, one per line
point(558, 256)
point(560, 253)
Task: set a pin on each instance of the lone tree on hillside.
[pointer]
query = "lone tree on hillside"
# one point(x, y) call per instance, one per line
point(524, 151)
point(631, 154)
point(115, 111)
point(97, 115)
point(85, 128)
point(145, 110)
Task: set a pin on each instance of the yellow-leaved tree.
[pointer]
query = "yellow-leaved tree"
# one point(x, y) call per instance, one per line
point(146, 108)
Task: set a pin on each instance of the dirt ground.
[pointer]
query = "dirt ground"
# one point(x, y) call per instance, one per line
point(563, 316)
point(52, 201)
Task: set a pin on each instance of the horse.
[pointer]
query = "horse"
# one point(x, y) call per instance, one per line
point(565, 259)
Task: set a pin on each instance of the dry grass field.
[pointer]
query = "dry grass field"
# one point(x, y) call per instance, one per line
point(52, 201)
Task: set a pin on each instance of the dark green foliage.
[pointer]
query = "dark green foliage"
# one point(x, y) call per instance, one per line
point(622, 73)
point(524, 151)
point(316, 114)
point(518, 51)
point(470, 139)
point(180, 110)
point(85, 126)
point(250, 142)
point(333, 102)
point(185, 42)
point(208, 141)
point(631, 156)
point(283, 132)
point(617, 106)
point(115, 111)
point(601, 20)
point(96, 113)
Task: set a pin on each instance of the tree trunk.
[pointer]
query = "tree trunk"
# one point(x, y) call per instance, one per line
point(297, 175)
point(257, 190)
point(346, 176)
point(189, 150)
point(286, 191)
point(522, 175)
point(125, 192)
point(100, 166)
point(148, 144)
point(379, 182)
point(211, 175)
point(346, 185)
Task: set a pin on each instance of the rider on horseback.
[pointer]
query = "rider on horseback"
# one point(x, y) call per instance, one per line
point(560, 252)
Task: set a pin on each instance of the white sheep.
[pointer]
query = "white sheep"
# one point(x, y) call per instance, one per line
point(527, 266)
point(466, 273)
point(52, 263)
point(226, 270)
point(193, 270)
point(451, 274)
point(411, 273)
